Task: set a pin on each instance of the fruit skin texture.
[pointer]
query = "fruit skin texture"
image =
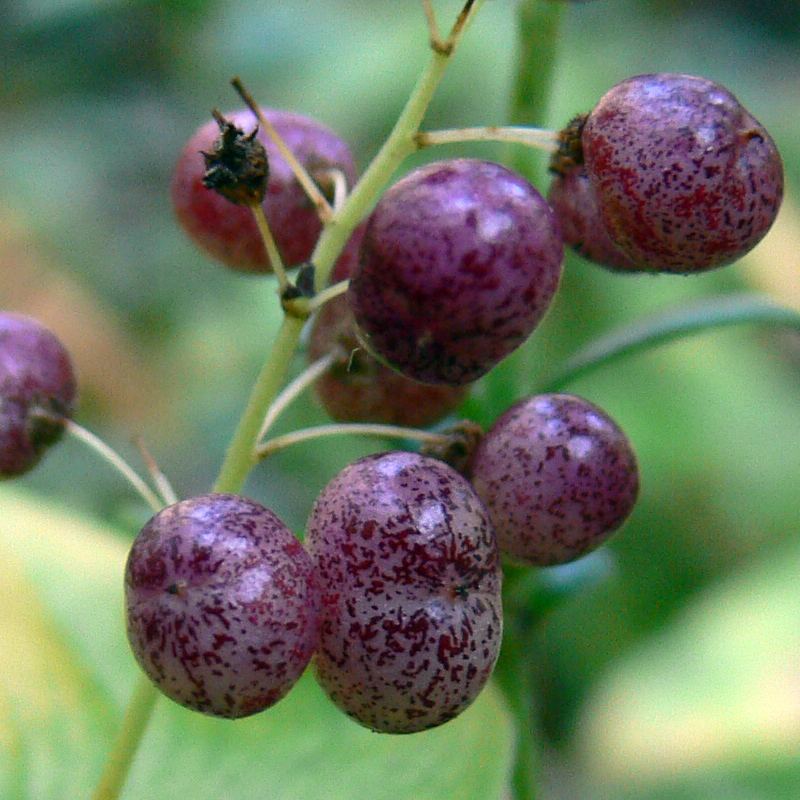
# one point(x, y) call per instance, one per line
point(685, 178)
point(411, 580)
point(223, 607)
point(558, 477)
point(573, 202)
point(37, 392)
point(228, 232)
point(358, 387)
point(459, 263)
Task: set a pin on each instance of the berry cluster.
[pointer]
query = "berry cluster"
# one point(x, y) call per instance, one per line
point(396, 592)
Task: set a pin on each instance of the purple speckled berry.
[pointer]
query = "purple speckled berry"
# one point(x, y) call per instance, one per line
point(459, 263)
point(573, 202)
point(37, 392)
point(685, 178)
point(229, 232)
point(558, 477)
point(358, 387)
point(223, 607)
point(411, 580)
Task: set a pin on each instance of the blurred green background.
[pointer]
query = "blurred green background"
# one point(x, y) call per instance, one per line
point(97, 100)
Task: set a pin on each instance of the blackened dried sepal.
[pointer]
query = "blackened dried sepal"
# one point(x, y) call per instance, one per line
point(570, 146)
point(237, 166)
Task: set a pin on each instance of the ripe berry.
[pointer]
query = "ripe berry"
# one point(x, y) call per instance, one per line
point(228, 232)
point(411, 579)
point(573, 202)
point(557, 475)
point(358, 387)
point(685, 178)
point(222, 604)
point(459, 263)
point(37, 392)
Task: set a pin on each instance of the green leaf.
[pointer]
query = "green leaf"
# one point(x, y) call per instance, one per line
point(710, 708)
point(66, 674)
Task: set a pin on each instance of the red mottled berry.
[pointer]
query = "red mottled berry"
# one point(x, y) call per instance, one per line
point(410, 576)
point(685, 178)
point(223, 607)
point(37, 392)
point(228, 232)
point(573, 202)
point(558, 477)
point(358, 387)
point(459, 263)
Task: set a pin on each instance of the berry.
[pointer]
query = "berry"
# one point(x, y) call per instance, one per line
point(358, 387)
point(411, 581)
point(459, 263)
point(223, 607)
point(228, 232)
point(557, 475)
point(573, 202)
point(37, 392)
point(685, 178)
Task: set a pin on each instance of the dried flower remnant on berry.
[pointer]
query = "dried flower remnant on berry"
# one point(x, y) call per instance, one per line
point(459, 445)
point(570, 148)
point(237, 166)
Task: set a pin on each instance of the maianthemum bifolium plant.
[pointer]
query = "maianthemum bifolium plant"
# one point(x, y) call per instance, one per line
point(415, 558)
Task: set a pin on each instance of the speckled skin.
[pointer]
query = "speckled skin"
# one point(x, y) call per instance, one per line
point(459, 263)
point(358, 387)
point(228, 232)
point(572, 199)
point(558, 477)
point(37, 392)
point(411, 580)
point(685, 178)
point(223, 606)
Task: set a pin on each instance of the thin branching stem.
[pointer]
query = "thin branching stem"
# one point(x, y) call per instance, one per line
point(350, 429)
point(112, 457)
point(324, 210)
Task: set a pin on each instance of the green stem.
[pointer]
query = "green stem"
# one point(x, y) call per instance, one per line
point(241, 456)
point(539, 25)
point(137, 716)
point(399, 144)
point(667, 326)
